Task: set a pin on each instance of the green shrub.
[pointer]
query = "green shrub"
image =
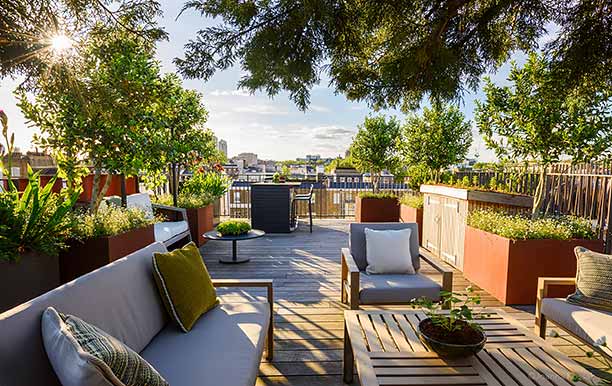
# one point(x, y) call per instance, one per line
point(211, 184)
point(412, 201)
point(233, 227)
point(110, 220)
point(185, 200)
point(522, 227)
point(36, 220)
point(380, 195)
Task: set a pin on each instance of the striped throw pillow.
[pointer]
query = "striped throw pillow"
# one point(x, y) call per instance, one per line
point(593, 280)
point(118, 362)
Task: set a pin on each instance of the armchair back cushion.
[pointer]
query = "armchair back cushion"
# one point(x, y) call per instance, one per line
point(141, 201)
point(357, 240)
point(120, 298)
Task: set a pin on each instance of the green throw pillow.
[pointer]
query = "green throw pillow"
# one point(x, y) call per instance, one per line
point(184, 284)
point(593, 280)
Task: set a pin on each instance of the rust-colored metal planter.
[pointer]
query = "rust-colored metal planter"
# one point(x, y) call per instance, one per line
point(410, 214)
point(509, 269)
point(21, 281)
point(376, 209)
point(83, 257)
point(200, 221)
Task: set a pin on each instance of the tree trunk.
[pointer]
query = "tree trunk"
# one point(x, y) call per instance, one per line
point(123, 192)
point(98, 198)
point(174, 177)
point(95, 188)
point(538, 197)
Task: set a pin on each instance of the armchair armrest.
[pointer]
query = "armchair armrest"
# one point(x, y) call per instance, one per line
point(255, 283)
point(171, 212)
point(350, 279)
point(447, 272)
point(543, 284)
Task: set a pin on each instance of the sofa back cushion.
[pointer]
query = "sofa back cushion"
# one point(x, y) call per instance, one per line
point(357, 240)
point(141, 201)
point(593, 280)
point(120, 298)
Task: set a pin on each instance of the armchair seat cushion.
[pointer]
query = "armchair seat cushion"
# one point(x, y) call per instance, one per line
point(164, 231)
point(223, 348)
point(398, 288)
point(588, 324)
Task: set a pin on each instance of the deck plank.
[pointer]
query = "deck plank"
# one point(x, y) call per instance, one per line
point(305, 268)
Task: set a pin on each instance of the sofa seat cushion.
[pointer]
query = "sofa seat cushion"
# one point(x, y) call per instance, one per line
point(164, 231)
point(588, 324)
point(381, 289)
point(224, 347)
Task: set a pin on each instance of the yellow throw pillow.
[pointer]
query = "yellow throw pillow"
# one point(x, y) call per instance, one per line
point(184, 284)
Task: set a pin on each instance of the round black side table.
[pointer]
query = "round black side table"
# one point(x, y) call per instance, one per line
point(252, 234)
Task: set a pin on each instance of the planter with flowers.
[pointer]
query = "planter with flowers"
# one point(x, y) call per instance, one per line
point(197, 195)
point(102, 237)
point(505, 254)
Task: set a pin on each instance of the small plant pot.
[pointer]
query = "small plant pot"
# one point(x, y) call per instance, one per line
point(450, 350)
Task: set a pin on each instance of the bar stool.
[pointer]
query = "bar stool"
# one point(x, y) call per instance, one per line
point(304, 197)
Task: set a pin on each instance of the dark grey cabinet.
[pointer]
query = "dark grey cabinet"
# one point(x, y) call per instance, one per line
point(271, 207)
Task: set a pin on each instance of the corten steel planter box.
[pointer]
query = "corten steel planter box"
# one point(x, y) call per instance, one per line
point(509, 269)
point(377, 209)
point(410, 214)
point(200, 221)
point(83, 257)
point(32, 276)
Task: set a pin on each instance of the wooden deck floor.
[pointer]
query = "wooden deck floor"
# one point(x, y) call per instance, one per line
point(308, 313)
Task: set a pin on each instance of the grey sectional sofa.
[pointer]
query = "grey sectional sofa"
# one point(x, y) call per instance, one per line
point(224, 348)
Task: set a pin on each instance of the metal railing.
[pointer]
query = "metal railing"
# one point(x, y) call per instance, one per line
point(327, 202)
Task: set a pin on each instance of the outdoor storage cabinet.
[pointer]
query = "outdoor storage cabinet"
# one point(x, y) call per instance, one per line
point(445, 212)
point(271, 207)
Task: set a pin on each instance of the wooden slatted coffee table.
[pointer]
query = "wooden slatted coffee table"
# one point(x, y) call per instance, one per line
point(385, 348)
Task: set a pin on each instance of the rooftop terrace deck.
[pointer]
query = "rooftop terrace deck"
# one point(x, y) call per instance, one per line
point(308, 313)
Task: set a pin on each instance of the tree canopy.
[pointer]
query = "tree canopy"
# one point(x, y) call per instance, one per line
point(28, 26)
point(539, 119)
point(390, 53)
point(438, 138)
point(375, 147)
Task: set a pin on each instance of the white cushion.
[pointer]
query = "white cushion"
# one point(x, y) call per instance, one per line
point(141, 201)
point(164, 231)
point(388, 251)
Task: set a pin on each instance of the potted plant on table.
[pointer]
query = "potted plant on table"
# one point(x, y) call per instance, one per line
point(453, 333)
point(233, 228)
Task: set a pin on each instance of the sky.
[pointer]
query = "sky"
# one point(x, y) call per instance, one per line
point(271, 128)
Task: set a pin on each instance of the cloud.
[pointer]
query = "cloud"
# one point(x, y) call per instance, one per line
point(259, 108)
point(240, 93)
point(318, 109)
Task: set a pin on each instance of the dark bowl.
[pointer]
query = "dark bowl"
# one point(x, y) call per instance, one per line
point(448, 350)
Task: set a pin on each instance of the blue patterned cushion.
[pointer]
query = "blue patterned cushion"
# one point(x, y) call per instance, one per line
point(100, 355)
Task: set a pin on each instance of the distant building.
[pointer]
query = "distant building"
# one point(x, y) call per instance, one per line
point(37, 161)
point(231, 170)
point(349, 175)
point(222, 146)
point(249, 159)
